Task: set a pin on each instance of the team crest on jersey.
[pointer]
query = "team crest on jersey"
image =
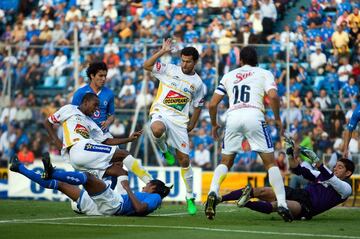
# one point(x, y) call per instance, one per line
point(96, 114)
point(176, 100)
point(82, 130)
point(105, 103)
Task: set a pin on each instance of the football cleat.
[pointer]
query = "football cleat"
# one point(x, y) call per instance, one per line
point(14, 164)
point(48, 168)
point(191, 206)
point(210, 206)
point(285, 214)
point(170, 159)
point(245, 197)
point(310, 155)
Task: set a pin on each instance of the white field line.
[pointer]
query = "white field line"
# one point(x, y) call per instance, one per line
point(292, 234)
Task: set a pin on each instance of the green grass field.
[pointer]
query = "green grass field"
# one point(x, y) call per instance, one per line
point(43, 219)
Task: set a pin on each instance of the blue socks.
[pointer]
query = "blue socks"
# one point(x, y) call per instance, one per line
point(73, 178)
point(52, 184)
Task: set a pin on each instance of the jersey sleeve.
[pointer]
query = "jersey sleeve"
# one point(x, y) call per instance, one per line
point(354, 120)
point(221, 89)
point(341, 187)
point(61, 115)
point(160, 69)
point(269, 81)
point(76, 100)
point(199, 97)
point(153, 201)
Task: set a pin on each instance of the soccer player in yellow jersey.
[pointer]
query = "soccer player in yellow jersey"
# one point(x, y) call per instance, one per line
point(180, 88)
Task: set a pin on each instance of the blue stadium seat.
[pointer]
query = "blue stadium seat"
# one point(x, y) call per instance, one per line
point(263, 65)
point(49, 81)
point(62, 82)
point(305, 65)
point(9, 4)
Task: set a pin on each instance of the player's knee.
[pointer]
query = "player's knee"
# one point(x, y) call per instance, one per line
point(157, 132)
point(120, 155)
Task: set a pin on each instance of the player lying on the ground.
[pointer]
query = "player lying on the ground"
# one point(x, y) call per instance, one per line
point(97, 198)
point(325, 190)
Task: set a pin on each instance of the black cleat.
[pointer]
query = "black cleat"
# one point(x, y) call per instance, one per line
point(285, 214)
point(48, 168)
point(210, 206)
point(14, 164)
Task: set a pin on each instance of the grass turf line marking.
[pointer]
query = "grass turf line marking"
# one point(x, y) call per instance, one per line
point(84, 217)
point(201, 228)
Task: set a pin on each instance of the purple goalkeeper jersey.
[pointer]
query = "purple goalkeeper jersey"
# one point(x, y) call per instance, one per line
point(325, 190)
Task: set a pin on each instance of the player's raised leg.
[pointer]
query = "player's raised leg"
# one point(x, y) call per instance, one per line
point(158, 130)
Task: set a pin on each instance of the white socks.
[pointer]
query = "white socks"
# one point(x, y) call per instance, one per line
point(219, 176)
point(134, 165)
point(187, 176)
point(276, 181)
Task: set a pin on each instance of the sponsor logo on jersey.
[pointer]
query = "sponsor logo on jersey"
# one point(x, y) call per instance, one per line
point(243, 76)
point(97, 148)
point(176, 100)
point(82, 130)
point(158, 66)
point(176, 77)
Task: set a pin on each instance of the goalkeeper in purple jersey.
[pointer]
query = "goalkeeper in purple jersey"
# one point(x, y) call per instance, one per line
point(326, 189)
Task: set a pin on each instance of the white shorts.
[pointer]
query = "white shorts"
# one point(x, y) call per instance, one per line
point(105, 203)
point(89, 156)
point(250, 124)
point(177, 136)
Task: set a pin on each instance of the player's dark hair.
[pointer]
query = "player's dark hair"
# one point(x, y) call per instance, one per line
point(349, 165)
point(89, 96)
point(160, 188)
point(95, 67)
point(190, 51)
point(248, 56)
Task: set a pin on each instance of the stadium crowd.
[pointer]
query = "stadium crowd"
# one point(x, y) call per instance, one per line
point(36, 48)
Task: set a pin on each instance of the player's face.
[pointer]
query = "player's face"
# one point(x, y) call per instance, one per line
point(340, 171)
point(99, 79)
point(187, 64)
point(91, 106)
point(149, 188)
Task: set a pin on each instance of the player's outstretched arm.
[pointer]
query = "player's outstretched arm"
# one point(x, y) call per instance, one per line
point(52, 134)
point(117, 141)
point(347, 138)
point(166, 47)
point(275, 106)
point(215, 100)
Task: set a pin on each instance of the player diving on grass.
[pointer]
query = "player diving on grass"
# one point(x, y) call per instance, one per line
point(326, 189)
point(180, 88)
point(88, 147)
point(97, 198)
point(246, 87)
